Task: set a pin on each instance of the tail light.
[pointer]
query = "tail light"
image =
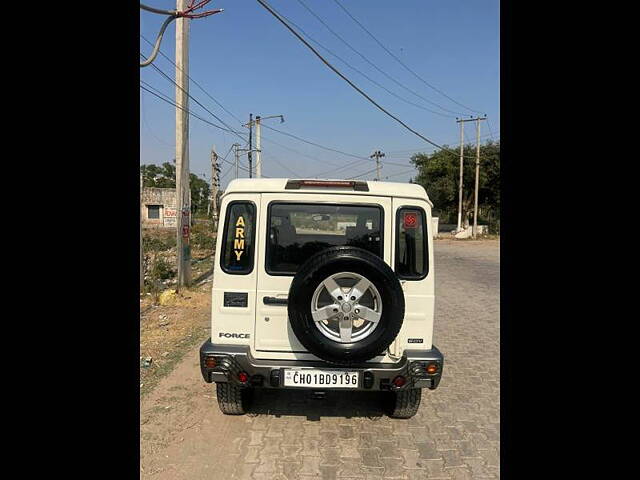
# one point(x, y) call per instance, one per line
point(399, 381)
point(243, 377)
point(432, 368)
point(210, 362)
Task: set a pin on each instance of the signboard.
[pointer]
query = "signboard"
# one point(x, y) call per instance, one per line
point(170, 216)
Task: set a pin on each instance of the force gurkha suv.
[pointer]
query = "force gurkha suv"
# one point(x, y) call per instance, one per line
point(323, 285)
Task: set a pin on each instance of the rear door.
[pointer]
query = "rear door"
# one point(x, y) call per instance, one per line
point(236, 256)
point(293, 226)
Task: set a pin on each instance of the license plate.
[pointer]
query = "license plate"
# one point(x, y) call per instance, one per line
point(320, 378)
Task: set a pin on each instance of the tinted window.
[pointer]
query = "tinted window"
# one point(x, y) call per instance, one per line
point(297, 231)
point(239, 233)
point(411, 247)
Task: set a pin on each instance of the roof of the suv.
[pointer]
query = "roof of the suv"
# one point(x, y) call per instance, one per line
point(383, 189)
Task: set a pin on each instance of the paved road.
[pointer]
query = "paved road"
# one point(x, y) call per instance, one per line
point(288, 436)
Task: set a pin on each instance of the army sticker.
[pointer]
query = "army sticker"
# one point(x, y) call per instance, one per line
point(238, 241)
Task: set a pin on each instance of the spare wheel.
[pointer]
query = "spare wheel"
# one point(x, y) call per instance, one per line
point(345, 305)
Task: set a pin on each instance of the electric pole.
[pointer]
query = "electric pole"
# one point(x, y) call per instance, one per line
point(141, 252)
point(215, 182)
point(236, 153)
point(250, 146)
point(258, 156)
point(377, 155)
point(258, 149)
point(475, 208)
point(461, 170)
point(183, 192)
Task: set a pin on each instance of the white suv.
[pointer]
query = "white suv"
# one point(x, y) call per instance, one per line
point(322, 285)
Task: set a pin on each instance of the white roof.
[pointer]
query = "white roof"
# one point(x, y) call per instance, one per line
point(382, 189)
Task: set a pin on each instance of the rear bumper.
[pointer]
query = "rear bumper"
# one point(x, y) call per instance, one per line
point(232, 359)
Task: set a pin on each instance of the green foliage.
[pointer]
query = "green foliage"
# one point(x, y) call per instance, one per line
point(157, 243)
point(439, 174)
point(202, 237)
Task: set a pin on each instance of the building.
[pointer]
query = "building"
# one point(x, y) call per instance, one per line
point(158, 207)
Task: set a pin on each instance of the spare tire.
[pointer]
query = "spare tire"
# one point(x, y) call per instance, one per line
point(345, 305)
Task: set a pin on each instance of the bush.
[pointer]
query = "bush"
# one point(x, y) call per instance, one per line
point(202, 237)
point(158, 242)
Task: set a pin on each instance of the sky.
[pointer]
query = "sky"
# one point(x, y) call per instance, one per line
point(250, 63)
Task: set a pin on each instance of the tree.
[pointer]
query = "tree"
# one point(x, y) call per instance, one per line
point(439, 174)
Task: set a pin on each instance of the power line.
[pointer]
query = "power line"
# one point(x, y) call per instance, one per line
point(362, 174)
point(266, 126)
point(371, 63)
point(354, 86)
point(401, 62)
point(196, 100)
point(348, 65)
point(194, 82)
point(170, 102)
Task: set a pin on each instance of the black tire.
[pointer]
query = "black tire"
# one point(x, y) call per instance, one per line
point(345, 259)
point(232, 399)
point(404, 404)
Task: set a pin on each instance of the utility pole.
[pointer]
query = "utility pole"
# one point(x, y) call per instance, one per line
point(258, 148)
point(258, 156)
point(461, 170)
point(475, 214)
point(236, 153)
point(215, 182)
point(250, 146)
point(377, 155)
point(183, 192)
point(475, 208)
point(141, 252)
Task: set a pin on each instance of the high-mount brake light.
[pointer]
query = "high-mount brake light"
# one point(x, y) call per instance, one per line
point(352, 184)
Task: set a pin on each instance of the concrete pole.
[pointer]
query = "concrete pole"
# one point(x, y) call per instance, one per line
point(258, 153)
point(249, 158)
point(475, 208)
point(461, 170)
point(183, 192)
point(377, 154)
point(236, 153)
point(141, 252)
point(214, 188)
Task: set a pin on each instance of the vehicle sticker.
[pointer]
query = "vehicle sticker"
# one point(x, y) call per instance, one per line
point(410, 220)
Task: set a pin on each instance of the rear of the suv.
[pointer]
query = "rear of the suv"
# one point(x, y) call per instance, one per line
point(323, 285)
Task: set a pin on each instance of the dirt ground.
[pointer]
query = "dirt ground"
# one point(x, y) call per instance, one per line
point(168, 331)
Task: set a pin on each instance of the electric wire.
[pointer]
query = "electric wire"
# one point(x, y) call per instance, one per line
point(339, 37)
point(170, 102)
point(353, 85)
point(348, 65)
point(401, 62)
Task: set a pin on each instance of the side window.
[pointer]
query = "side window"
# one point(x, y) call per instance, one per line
point(238, 241)
point(411, 244)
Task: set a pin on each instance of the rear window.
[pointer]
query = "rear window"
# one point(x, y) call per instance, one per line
point(239, 235)
point(411, 244)
point(297, 231)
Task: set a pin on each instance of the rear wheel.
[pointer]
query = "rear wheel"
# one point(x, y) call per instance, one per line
point(404, 404)
point(232, 399)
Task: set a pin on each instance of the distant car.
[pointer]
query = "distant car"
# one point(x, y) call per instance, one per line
point(323, 285)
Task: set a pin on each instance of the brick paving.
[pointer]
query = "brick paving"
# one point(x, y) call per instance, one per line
point(455, 435)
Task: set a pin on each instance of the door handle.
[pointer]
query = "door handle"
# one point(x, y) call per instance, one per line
point(275, 301)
